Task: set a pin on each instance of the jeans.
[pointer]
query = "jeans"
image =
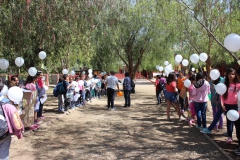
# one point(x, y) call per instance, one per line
point(88, 94)
point(230, 123)
point(127, 97)
point(217, 117)
point(158, 92)
point(39, 113)
point(200, 108)
point(60, 102)
point(110, 97)
point(5, 147)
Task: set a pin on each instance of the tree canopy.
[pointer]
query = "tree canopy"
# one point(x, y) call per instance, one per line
point(105, 35)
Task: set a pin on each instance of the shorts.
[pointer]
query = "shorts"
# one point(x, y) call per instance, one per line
point(171, 96)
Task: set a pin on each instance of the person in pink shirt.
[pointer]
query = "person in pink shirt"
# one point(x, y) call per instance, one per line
point(229, 101)
point(200, 97)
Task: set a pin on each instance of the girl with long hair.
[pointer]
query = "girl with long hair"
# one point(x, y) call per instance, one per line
point(171, 94)
point(229, 101)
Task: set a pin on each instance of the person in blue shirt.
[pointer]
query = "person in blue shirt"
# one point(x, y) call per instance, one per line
point(127, 89)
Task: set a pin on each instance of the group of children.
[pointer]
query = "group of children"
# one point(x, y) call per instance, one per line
point(200, 91)
point(79, 90)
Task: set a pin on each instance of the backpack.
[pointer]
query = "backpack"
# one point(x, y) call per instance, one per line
point(160, 86)
point(3, 123)
point(60, 88)
point(132, 83)
point(55, 92)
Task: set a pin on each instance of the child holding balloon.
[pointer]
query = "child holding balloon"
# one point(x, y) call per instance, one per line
point(229, 102)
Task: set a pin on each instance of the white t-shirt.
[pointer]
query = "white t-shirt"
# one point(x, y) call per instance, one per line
point(112, 81)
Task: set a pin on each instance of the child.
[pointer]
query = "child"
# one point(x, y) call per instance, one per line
point(30, 85)
point(192, 112)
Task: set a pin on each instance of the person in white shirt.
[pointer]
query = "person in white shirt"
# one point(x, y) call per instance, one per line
point(111, 83)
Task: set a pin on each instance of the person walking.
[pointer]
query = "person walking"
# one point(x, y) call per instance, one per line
point(127, 89)
point(158, 91)
point(180, 85)
point(200, 97)
point(111, 83)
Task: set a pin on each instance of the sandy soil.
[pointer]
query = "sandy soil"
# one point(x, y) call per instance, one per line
point(93, 132)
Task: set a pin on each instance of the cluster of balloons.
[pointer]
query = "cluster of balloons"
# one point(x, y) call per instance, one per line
point(232, 42)
point(194, 58)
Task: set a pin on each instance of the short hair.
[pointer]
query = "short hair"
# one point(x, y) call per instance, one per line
point(13, 78)
point(65, 76)
point(112, 72)
point(192, 78)
point(127, 74)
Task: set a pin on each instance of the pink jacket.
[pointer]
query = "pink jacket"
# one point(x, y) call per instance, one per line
point(201, 94)
point(15, 125)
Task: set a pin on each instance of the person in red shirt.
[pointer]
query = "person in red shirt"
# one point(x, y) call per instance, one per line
point(171, 94)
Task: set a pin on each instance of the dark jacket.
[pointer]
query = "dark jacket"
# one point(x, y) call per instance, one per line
point(127, 84)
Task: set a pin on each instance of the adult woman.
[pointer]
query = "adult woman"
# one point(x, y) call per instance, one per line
point(200, 97)
point(170, 94)
point(229, 101)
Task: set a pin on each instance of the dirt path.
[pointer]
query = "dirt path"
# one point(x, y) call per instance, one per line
point(93, 132)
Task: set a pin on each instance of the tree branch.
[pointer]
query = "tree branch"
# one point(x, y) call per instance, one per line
point(218, 42)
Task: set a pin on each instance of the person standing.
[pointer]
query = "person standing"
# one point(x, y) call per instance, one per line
point(111, 83)
point(180, 85)
point(41, 93)
point(158, 91)
point(229, 101)
point(127, 89)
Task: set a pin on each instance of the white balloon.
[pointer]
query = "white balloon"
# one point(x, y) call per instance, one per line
point(178, 58)
point(194, 58)
point(4, 90)
point(4, 64)
point(72, 73)
point(15, 94)
point(90, 71)
point(185, 62)
point(83, 73)
point(187, 83)
point(238, 96)
point(214, 74)
point(19, 61)
point(166, 63)
point(220, 88)
point(232, 115)
point(64, 71)
point(42, 55)
point(203, 57)
point(164, 74)
point(90, 75)
point(157, 67)
point(74, 83)
point(77, 89)
point(193, 69)
point(167, 69)
point(160, 68)
point(232, 42)
point(32, 71)
point(45, 87)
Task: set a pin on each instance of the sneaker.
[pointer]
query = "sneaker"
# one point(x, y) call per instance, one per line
point(229, 140)
point(113, 109)
point(41, 117)
point(206, 131)
point(60, 111)
point(237, 151)
point(199, 127)
point(220, 127)
point(33, 127)
point(190, 122)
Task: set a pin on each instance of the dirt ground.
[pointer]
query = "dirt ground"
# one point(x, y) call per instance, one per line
point(93, 132)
